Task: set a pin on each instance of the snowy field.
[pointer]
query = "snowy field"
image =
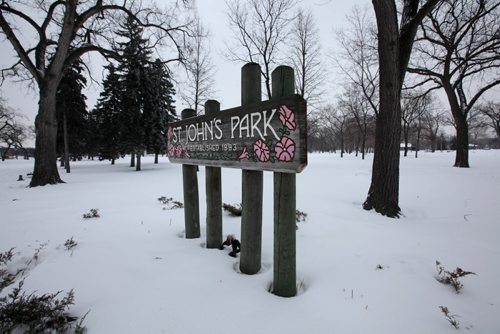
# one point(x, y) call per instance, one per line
point(358, 272)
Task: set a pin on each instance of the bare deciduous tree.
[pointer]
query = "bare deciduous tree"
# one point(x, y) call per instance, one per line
point(413, 105)
point(260, 28)
point(12, 132)
point(394, 48)
point(491, 111)
point(457, 50)
point(356, 104)
point(305, 56)
point(335, 121)
point(64, 31)
point(200, 70)
point(358, 59)
point(432, 119)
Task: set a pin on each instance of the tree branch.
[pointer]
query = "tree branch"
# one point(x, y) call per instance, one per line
point(21, 52)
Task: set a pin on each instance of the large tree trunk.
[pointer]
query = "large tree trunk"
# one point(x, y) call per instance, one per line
point(383, 194)
point(460, 118)
point(462, 153)
point(66, 144)
point(45, 170)
point(138, 164)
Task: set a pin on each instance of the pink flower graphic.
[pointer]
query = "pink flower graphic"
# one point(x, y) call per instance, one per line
point(171, 150)
point(170, 132)
point(285, 149)
point(244, 154)
point(261, 150)
point(287, 117)
point(179, 151)
point(187, 154)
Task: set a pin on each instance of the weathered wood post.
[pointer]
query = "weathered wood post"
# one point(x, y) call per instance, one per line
point(252, 184)
point(190, 185)
point(285, 277)
point(213, 192)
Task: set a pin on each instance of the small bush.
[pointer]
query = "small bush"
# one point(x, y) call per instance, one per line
point(300, 216)
point(233, 210)
point(450, 317)
point(6, 257)
point(29, 313)
point(94, 213)
point(6, 277)
point(70, 244)
point(165, 200)
point(451, 277)
point(38, 314)
point(170, 203)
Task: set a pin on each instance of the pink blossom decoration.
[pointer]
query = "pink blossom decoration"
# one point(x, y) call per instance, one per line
point(285, 149)
point(261, 150)
point(244, 154)
point(171, 150)
point(179, 151)
point(170, 132)
point(187, 154)
point(287, 117)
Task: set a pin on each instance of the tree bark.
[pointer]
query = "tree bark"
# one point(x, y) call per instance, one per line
point(383, 194)
point(132, 159)
point(66, 144)
point(406, 135)
point(462, 145)
point(45, 169)
point(138, 158)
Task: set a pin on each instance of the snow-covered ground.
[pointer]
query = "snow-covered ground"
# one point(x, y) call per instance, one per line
point(359, 272)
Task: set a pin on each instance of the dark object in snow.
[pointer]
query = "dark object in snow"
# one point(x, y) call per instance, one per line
point(234, 243)
point(451, 277)
point(94, 213)
point(20, 178)
point(233, 210)
point(450, 317)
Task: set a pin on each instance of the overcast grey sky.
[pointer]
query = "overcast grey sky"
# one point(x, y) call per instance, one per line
point(330, 15)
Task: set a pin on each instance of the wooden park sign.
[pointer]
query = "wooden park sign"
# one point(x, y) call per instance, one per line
point(269, 135)
point(256, 137)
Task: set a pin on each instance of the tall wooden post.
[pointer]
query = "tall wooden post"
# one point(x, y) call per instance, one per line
point(252, 184)
point(285, 277)
point(213, 192)
point(191, 200)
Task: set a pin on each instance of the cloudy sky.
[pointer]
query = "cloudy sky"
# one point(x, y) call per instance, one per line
point(330, 16)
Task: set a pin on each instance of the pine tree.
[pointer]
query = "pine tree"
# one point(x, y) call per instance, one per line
point(71, 113)
point(159, 106)
point(133, 79)
point(106, 116)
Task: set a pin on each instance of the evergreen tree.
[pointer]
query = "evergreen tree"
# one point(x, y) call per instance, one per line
point(132, 70)
point(71, 113)
point(105, 117)
point(159, 106)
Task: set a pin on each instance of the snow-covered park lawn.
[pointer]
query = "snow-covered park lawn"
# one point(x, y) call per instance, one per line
point(358, 272)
